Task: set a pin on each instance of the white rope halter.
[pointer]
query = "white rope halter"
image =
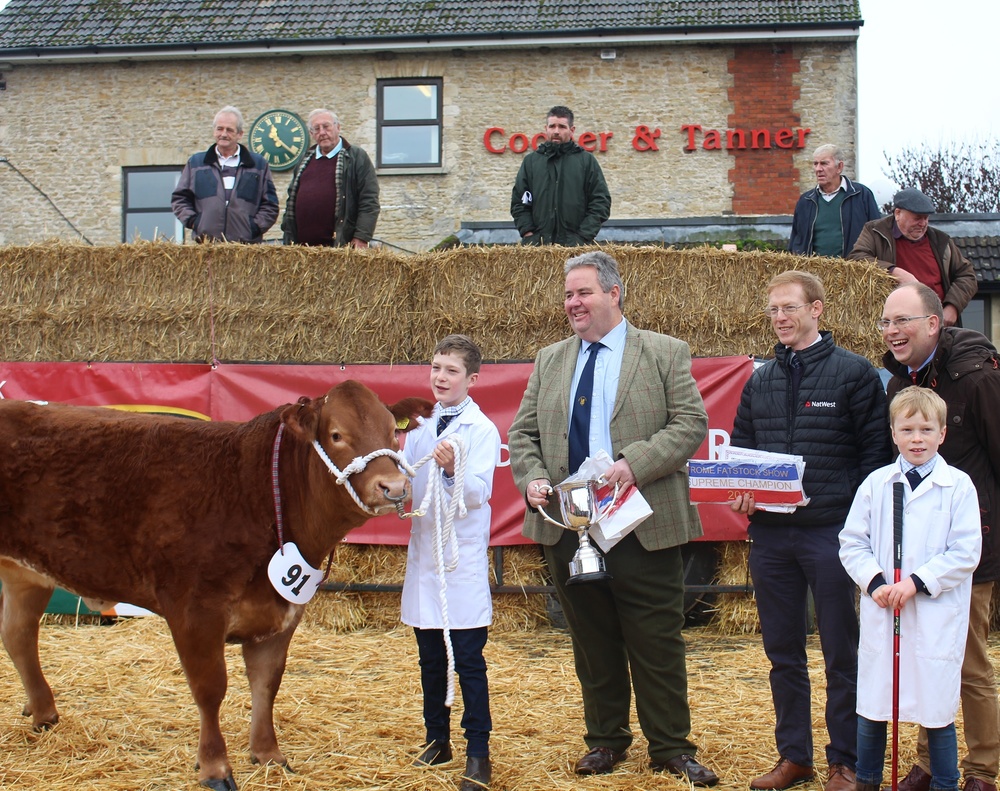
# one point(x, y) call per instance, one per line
point(444, 510)
point(357, 465)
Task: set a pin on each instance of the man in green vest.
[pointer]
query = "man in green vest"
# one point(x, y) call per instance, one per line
point(829, 217)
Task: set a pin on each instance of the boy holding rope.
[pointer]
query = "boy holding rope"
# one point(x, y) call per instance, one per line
point(940, 545)
point(446, 591)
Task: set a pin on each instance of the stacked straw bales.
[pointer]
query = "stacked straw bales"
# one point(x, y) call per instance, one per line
point(195, 303)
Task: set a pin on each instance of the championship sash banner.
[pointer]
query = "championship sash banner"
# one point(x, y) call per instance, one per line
point(245, 390)
point(722, 481)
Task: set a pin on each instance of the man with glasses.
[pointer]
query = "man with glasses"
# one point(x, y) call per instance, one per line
point(962, 367)
point(911, 251)
point(826, 404)
point(333, 197)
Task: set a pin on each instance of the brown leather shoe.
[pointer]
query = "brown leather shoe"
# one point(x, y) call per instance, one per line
point(975, 784)
point(434, 753)
point(687, 767)
point(916, 780)
point(599, 761)
point(477, 776)
point(840, 778)
point(784, 775)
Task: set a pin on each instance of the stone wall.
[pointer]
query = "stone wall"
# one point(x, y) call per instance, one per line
point(71, 129)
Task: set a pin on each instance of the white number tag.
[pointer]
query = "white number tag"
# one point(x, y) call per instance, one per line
point(292, 577)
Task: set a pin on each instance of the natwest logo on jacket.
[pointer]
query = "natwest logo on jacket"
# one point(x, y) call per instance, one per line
point(825, 404)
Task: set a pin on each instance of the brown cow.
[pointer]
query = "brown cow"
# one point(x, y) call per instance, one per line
point(178, 516)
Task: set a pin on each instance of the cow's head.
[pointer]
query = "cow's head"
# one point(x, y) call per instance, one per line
point(350, 424)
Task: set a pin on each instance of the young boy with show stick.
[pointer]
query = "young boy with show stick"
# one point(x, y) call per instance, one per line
point(941, 541)
point(446, 589)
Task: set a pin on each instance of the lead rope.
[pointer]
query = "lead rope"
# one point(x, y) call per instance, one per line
point(437, 503)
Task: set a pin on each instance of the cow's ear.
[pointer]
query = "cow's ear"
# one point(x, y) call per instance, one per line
point(302, 419)
point(408, 410)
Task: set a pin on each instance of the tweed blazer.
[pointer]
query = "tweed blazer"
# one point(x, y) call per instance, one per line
point(659, 421)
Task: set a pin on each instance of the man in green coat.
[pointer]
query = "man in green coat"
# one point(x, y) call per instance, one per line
point(560, 195)
point(333, 197)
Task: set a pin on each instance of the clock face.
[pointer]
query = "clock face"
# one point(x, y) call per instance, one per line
point(280, 137)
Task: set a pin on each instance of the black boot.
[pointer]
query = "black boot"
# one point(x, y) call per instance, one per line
point(477, 776)
point(435, 752)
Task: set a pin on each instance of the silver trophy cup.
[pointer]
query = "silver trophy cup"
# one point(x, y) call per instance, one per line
point(578, 504)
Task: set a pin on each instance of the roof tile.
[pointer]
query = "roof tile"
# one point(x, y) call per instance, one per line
point(112, 23)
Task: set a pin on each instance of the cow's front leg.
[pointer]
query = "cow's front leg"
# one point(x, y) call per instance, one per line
point(200, 642)
point(265, 662)
point(22, 604)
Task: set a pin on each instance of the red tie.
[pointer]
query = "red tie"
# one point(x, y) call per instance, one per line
point(913, 376)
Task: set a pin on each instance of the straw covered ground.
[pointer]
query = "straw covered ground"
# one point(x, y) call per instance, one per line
point(348, 714)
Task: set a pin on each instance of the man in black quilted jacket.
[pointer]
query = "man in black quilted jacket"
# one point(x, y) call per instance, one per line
point(826, 404)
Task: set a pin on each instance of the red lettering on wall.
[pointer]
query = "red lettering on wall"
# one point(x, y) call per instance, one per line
point(494, 140)
point(493, 130)
point(587, 141)
point(690, 129)
point(784, 138)
point(519, 142)
point(736, 139)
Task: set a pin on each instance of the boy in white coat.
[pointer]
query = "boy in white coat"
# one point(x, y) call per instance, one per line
point(454, 370)
point(941, 544)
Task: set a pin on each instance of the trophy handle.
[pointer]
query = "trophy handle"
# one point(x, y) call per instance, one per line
point(548, 518)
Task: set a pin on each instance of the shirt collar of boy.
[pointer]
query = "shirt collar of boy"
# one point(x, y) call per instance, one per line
point(924, 469)
point(454, 410)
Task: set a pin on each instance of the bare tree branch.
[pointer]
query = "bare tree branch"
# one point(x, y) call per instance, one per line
point(964, 177)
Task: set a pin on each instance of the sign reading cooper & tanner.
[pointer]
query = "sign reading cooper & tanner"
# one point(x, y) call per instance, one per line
point(497, 141)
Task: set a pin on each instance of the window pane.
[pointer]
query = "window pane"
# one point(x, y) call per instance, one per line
point(409, 145)
point(151, 189)
point(974, 317)
point(153, 225)
point(409, 102)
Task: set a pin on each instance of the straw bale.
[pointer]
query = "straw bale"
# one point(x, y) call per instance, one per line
point(161, 301)
point(347, 611)
point(348, 714)
point(735, 613)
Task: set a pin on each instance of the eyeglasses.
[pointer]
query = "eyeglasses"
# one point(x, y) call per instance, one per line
point(900, 323)
point(322, 127)
point(788, 310)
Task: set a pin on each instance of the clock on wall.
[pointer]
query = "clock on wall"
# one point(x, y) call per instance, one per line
point(280, 137)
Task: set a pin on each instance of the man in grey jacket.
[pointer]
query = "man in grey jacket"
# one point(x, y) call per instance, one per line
point(226, 193)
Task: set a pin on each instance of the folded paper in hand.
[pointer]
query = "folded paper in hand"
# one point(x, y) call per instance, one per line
point(629, 510)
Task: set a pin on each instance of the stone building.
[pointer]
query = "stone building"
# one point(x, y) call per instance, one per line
point(694, 108)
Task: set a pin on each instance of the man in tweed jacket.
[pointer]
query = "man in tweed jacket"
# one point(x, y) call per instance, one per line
point(653, 421)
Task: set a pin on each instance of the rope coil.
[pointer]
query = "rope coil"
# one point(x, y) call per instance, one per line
point(445, 541)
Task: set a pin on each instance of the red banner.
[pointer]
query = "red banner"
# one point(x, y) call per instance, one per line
point(242, 391)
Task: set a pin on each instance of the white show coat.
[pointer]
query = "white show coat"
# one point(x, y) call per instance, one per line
point(470, 604)
point(942, 539)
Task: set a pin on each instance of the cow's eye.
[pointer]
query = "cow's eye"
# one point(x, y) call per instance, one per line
point(335, 436)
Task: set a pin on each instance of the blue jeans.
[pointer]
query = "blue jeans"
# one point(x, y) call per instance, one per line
point(471, 668)
point(942, 742)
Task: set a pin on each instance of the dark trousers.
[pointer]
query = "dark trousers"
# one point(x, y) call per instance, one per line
point(629, 626)
point(470, 665)
point(785, 563)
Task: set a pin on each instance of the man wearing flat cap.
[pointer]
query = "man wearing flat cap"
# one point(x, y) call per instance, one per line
point(911, 251)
